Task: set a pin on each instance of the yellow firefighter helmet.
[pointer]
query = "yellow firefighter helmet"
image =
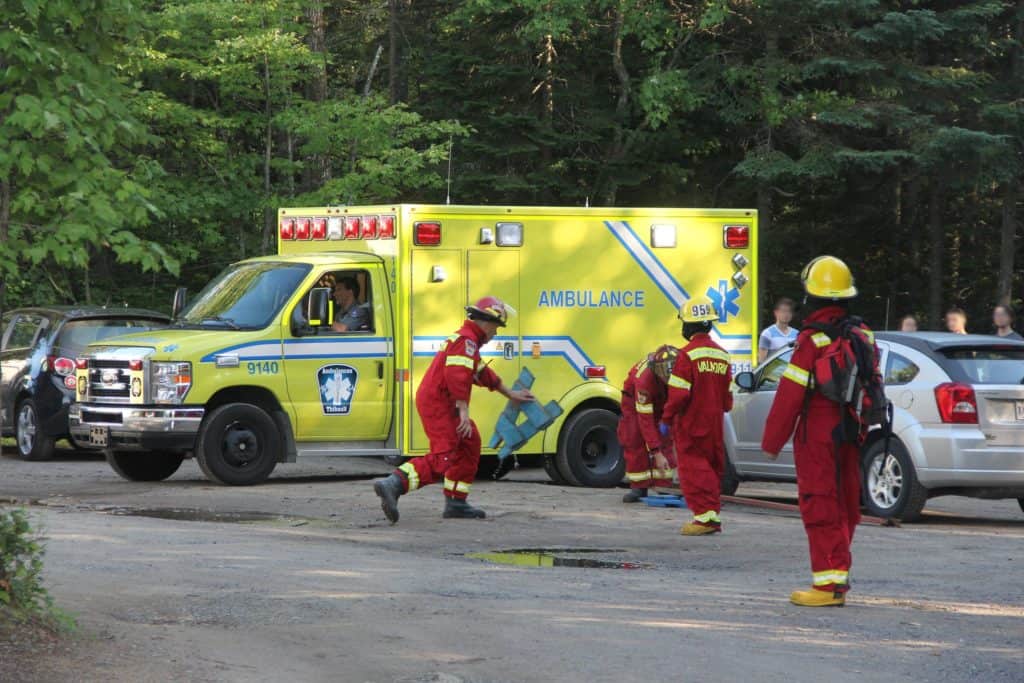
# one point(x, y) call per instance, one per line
point(826, 277)
point(699, 309)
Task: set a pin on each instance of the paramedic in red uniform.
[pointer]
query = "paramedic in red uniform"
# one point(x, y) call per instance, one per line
point(650, 457)
point(443, 404)
point(827, 471)
point(698, 398)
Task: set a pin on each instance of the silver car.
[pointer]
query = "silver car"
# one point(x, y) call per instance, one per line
point(958, 427)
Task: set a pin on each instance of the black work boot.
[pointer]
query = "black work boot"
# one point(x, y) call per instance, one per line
point(634, 495)
point(460, 509)
point(389, 490)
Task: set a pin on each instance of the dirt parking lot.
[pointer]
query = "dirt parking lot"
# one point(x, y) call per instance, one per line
point(302, 579)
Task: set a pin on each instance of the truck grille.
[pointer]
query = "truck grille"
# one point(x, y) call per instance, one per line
point(109, 380)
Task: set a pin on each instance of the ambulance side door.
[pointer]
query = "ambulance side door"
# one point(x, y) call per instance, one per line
point(340, 382)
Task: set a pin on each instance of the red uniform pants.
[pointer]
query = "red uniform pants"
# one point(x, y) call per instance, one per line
point(828, 482)
point(642, 472)
point(700, 478)
point(451, 457)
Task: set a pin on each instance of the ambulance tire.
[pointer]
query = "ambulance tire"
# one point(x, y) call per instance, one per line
point(239, 445)
point(551, 467)
point(140, 466)
point(589, 452)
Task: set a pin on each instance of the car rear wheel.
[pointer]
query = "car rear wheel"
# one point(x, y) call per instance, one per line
point(238, 445)
point(144, 466)
point(590, 453)
point(890, 482)
point(1020, 501)
point(32, 443)
point(730, 480)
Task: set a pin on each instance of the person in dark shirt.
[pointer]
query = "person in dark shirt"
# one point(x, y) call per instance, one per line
point(1002, 320)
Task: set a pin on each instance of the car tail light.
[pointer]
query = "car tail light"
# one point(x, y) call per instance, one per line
point(302, 228)
point(386, 228)
point(81, 363)
point(427, 234)
point(62, 366)
point(369, 227)
point(595, 372)
point(319, 229)
point(353, 227)
point(288, 229)
point(736, 236)
point(957, 403)
point(135, 365)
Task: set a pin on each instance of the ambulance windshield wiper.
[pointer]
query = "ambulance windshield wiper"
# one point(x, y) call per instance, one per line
point(218, 319)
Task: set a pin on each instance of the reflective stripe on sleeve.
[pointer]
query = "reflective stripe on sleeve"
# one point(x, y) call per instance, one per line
point(797, 375)
point(663, 474)
point(678, 382)
point(459, 361)
point(821, 340)
point(645, 408)
point(831, 576)
point(705, 352)
point(412, 475)
point(635, 477)
point(869, 334)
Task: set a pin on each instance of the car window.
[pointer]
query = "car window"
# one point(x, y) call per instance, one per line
point(77, 334)
point(988, 365)
point(900, 369)
point(769, 374)
point(23, 332)
point(351, 308)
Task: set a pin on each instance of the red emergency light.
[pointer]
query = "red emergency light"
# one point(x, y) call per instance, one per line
point(302, 229)
point(319, 230)
point(287, 229)
point(386, 228)
point(353, 227)
point(427, 234)
point(736, 236)
point(369, 227)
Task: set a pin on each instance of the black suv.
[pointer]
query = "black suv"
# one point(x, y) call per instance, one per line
point(37, 366)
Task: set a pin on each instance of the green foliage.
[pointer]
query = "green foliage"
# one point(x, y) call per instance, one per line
point(21, 564)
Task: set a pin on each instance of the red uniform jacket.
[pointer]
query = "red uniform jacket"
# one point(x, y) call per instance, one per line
point(643, 400)
point(699, 394)
point(454, 371)
point(822, 414)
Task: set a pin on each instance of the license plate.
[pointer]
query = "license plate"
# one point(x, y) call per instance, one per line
point(1020, 410)
point(98, 436)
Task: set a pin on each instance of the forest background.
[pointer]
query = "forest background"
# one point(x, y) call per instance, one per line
point(146, 145)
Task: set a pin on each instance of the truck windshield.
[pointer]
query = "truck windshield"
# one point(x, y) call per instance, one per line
point(244, 297)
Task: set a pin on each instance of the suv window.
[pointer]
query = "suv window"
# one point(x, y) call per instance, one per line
point(770, 373)
point(351, 302)
point(23, 332)
point(900, 369)
point(77, 334)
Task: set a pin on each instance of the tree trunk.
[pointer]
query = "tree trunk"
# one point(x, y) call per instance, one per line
point(396, 72)
point(268, 149)
point(621, 105)
point(1007, 244)
point(936, 250)
point(764, 188)
point(318, 167)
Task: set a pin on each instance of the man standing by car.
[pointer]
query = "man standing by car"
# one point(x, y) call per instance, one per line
point(698, 398)
point(825, 446)
point(443, 404)
point(650, 457)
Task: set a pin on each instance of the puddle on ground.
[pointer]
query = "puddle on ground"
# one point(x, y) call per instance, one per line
point(557, 557)
point(195, 515)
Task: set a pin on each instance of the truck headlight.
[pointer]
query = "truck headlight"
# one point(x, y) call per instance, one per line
point(171, 381)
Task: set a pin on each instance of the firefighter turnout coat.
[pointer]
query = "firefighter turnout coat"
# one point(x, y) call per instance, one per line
point(643, 401)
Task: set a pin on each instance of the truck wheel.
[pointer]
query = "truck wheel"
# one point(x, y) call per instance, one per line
point(590, 453)
point(238, 445)
point(890, 483)
point(141, 466)
point(730, 480)
point(551, 467)
point(32, 443)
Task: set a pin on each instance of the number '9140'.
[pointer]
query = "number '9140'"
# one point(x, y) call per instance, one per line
point(264, 368)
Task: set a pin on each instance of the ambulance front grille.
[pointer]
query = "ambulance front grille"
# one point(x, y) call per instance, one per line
point(109, 380)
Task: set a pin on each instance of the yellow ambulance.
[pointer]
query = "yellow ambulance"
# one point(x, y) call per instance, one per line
point(318, 350)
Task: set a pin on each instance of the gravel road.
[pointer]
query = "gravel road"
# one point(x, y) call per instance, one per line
point(303, 580)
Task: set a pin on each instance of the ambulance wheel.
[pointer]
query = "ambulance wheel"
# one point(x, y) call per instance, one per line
point(142, 466)
point(238, 445)
point(551, 467)
point(589, 453)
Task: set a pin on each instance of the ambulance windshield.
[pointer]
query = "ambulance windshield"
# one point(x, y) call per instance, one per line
point(244, 297)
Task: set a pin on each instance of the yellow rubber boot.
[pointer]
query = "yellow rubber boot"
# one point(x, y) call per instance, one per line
point(816, 598)
point(694, 529)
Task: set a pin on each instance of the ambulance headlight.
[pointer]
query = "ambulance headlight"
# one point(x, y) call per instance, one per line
point(171, 381)
point(510, 234)
point(663, 236)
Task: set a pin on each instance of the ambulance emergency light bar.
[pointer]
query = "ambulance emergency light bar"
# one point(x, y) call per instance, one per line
point(338, 228)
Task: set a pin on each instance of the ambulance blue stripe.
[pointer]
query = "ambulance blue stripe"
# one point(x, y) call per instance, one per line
point(212, 357)
point(640, 263)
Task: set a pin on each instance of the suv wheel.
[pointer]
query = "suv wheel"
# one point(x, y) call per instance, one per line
point(890, 482)
point(239, 445)
point(32, 443)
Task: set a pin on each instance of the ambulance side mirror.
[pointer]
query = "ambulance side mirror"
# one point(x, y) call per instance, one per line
point(317, 307)
point(745, 381)
point(178, 305)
